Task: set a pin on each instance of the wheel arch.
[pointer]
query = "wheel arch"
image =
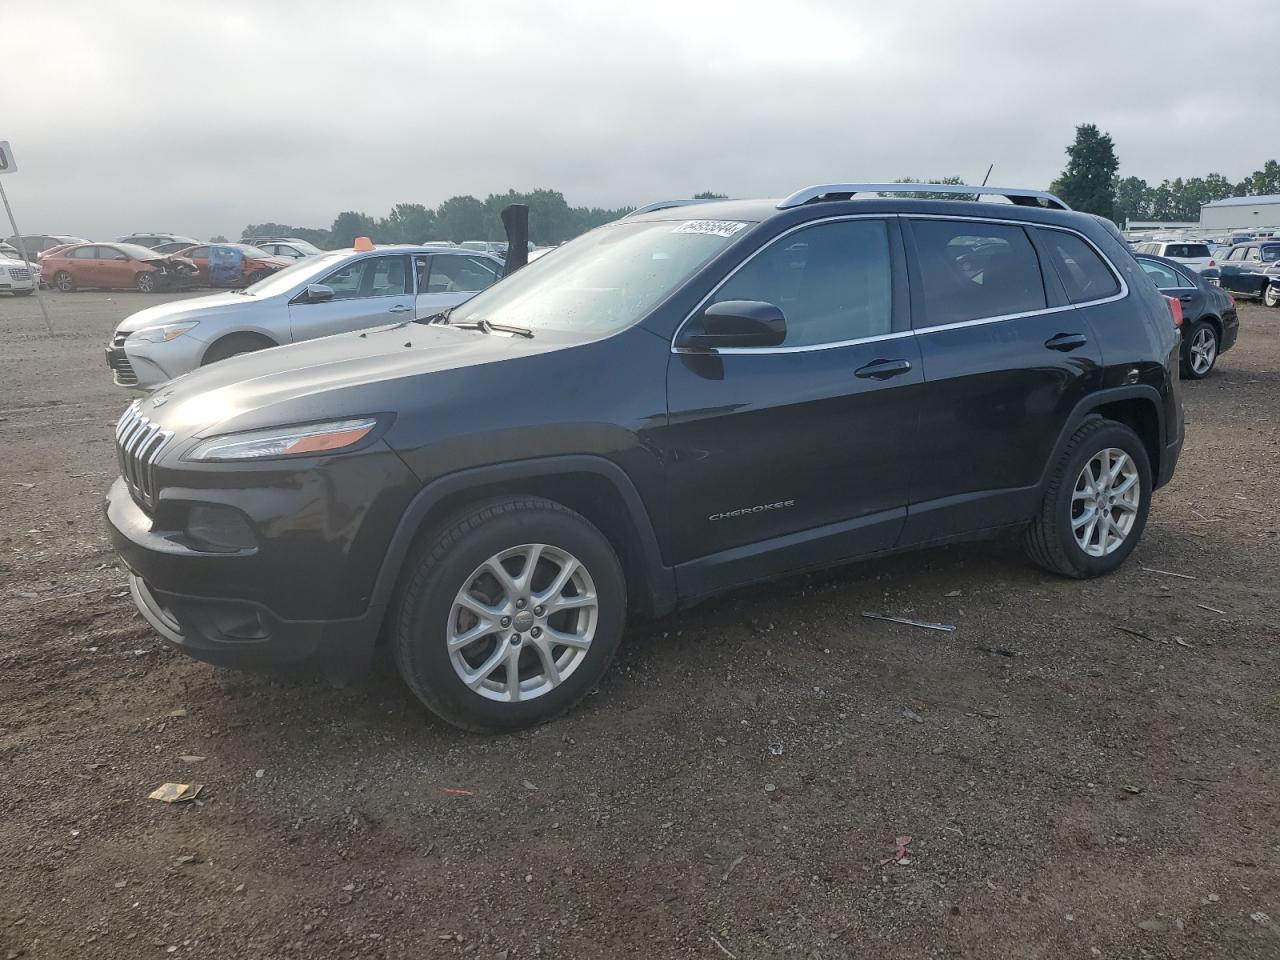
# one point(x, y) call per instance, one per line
point(254, 334)
point(593, 486)
point(1138, 407)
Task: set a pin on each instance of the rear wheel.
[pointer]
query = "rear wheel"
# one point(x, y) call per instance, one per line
point(256, 276)
point(1095, 507)
point(235, 344)
point(62, 280)
point(509, 615)
point(1272, 295)
point(145, 281)
point(1200, 350)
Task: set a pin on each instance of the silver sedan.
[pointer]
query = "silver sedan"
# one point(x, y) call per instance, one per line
point(327, 294)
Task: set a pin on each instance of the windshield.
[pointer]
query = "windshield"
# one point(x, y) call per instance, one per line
point(303, 247)
point(604, 280)
point(1270, 252)
point(137, 251)
point(304, 271)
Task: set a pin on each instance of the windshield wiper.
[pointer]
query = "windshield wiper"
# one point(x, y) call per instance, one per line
point(484, 326)
point(441, 317)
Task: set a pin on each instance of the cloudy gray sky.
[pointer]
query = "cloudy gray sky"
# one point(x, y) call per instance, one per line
point(200, 118)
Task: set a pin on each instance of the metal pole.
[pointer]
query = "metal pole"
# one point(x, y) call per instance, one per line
point(988, 176)
point(22, 249)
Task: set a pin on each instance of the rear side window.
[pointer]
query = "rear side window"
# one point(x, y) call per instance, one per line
point(832, 281)
point(1164, 278)
point(1084, 276)
point(972, 271)
point(1186, 251)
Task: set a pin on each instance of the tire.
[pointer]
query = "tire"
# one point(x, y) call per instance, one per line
point(62, 280)
point(453, 562)
point(256, 276)
point(145, 281)
point(1051, 540)
point(1199, 350)
point(234, 345)
point(1271, 297)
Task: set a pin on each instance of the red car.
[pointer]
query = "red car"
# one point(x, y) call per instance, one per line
point(114, 266)
point(235, 264)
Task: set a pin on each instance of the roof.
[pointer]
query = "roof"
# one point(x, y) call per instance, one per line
point(1244, 201)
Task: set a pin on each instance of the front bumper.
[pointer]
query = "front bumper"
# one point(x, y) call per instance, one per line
point(19, 284)
point(145, 366)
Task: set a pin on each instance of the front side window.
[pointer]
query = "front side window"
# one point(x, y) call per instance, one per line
point(198, 253)
point(370, 277)
point(1165, 279)
point(1236, 254)
point(972, 271)
point(1253, 254)
point(450, 273)
point(1271, 253)
point(1084, 276)
point(832, 281)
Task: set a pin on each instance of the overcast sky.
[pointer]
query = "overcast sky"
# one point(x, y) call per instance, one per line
point(201, 118)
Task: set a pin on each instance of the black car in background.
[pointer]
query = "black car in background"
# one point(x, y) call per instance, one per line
point(1249, 268)
point(691, 399)
point(1209, 320)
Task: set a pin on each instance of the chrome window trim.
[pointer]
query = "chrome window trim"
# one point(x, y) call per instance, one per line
point(800, 348)
point(979, 321)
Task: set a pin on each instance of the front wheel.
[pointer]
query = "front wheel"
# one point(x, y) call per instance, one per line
point(1200, 351)
point(1272, 295)
point(1095, 507)
point(145, 281)
point(509, 615)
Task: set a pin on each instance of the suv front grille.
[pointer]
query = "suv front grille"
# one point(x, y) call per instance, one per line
point(138, 444)
point(19, 273)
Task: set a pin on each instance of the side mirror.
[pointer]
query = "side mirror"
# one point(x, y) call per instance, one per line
point(736, 323)
point(318, 293)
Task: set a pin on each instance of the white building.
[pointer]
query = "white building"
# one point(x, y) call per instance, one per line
point(1236, 213)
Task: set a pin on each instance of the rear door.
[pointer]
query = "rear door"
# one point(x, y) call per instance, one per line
point(1006, 358)
point(1172, 283)
point(366, 292)
point(797, 455)
point(448, 279)
point(82, 264)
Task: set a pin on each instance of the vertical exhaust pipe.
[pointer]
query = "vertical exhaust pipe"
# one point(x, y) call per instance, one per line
point(515, 220)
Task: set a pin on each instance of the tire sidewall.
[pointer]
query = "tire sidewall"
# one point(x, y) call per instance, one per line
point(1120, 437)
point(423, 619)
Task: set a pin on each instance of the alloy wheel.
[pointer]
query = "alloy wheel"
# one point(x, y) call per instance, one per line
point(1204, 350)
point(522, 622)
point(1104, 504)
point(63, 281)
point(146, 282)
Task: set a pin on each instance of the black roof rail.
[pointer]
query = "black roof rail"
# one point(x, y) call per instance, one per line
point(845, 191)
point(663, 205)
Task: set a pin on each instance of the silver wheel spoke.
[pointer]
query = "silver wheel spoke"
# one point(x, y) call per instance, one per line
point(561, 581)
point(549, 668)
point(568, 639)
point(479, 608)
point(481, 673)
point(1084, 518)
point(513, 673)
point(571, 603)
point(530, 564)
point(481, 629)
point(499, 573)
point(1123, 488)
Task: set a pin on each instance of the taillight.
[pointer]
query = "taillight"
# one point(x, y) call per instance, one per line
point(1175, 309)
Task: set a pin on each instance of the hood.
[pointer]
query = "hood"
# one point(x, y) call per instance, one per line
point(336, 376)
point(192, 309)
point(10, 262)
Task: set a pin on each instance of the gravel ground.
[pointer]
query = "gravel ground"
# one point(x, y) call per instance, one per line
point(1083, 769)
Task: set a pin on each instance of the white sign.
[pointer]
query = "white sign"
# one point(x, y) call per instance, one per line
point(7, 163)
point(715, 228)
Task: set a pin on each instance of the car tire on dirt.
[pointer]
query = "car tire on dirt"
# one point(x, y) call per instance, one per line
point(1199, 350)
point(1095, 506)
point(234, 345)
point(1271, 296)
point(145, 281)
point(62, 280)
point(508, 614)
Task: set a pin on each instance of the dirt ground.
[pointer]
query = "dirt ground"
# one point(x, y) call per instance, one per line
point(1083, 769)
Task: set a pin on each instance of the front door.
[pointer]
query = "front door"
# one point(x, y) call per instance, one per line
point(1008, 352)
point(794, 456)
point(367, 292)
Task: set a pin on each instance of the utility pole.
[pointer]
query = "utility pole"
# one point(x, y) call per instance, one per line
point(7, 165)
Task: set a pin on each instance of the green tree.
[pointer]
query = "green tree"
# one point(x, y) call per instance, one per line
point(1132, 199)
point(461, 218)
point(1262, 182)
point(709, 195)
point(349, 225)
point(952, 181)
point(218, 238)
point(1087, 182)
point(408, 223)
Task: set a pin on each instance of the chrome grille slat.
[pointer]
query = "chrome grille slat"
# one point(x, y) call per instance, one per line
point(139, 443)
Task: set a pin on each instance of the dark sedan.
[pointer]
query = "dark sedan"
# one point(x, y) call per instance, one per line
point(1249, 269)
point(1209, 320)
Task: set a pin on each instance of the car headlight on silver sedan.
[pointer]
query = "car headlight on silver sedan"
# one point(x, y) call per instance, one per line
point(163, 333)
point(293, 441)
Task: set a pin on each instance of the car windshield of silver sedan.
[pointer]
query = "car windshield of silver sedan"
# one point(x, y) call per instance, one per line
point(601, 282)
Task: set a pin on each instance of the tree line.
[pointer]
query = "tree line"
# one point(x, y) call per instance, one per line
point(1091, 183)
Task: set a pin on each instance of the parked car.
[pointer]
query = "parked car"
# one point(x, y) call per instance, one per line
point(1195, 254)
point(1271, 296)
point(115, 266)
point(291, 248)
point(684, 401)
point(486, 246)
point(316, 297)
point(155, 239)
point(1210, 323)
point(17, 276)
point(36, 244)
point(232, 264)
point(1249, 268)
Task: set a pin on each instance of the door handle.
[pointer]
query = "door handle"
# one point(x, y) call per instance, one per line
point(1066, 341)
point(1185, 298)
point(400, 309)
point(883, 369)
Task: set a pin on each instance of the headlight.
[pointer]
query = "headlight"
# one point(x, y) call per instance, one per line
point(165, 333)
point(308, 438)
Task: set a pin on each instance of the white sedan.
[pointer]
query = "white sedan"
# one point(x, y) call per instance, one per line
point(322, 295)
point(17, 276)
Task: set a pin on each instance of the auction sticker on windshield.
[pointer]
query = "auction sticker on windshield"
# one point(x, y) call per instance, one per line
point(714, 228)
